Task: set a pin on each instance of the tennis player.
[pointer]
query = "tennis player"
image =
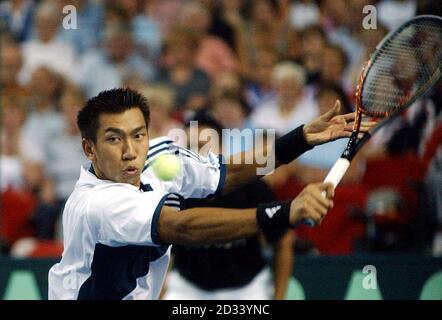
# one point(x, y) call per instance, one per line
point(120, 220)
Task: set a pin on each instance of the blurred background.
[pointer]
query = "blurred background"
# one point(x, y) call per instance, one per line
point(249, 64)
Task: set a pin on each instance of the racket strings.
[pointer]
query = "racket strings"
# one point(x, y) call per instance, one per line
point(403, 68)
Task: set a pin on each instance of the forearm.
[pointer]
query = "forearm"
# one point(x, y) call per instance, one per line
point(202, 226)
point(283, 264)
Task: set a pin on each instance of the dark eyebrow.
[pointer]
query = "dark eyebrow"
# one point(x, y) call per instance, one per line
point(138, 129)
point(121, 132)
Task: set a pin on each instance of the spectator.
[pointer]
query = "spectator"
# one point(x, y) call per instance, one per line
point(44, 119)
point(258, 88)
point(107, 67)
point(227, 83)
point(232, 113)
point(293, 51)
point(165, 13)
point(146, 31)
point(313, 44)
point(11, 159)
point(294, 104)
point(303, 14)
point(267, 28)
point(89, 17)
point(16, 16)
point(213, 54)
point(45, 49)
point(11, 64)
point(392, 13)
point(338, 19)
point(180, 73)
point(161, 103)
point(63, 157)
point(334, 64)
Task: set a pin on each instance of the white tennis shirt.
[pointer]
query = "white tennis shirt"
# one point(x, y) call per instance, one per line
point(111, 250)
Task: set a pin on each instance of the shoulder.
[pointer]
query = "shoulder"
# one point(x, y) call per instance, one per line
point(165, 145)
point(160, 145)
point(104, 196)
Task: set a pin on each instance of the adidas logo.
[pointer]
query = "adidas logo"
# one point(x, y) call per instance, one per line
point(271, 211)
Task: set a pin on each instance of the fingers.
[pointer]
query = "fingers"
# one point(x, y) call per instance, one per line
point(336, 110)
point(367, 126)
point(314, 205)
point(328, 188)
point(349, 116)
point(364, 127)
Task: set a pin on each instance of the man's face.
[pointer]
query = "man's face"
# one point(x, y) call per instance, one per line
point(121, 147)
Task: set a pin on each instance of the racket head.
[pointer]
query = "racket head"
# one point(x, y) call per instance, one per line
point(405, 65)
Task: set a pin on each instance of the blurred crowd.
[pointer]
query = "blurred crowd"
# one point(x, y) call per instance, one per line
point(250, 64)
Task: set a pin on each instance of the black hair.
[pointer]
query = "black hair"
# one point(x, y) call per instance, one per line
point(110, 101)
point(232, 97)
point(314, 29)
point(205, 118)
point(337, 89)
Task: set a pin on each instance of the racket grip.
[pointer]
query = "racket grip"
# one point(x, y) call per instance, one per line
point(334, 176)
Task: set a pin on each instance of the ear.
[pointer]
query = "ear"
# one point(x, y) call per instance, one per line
point(88, 149)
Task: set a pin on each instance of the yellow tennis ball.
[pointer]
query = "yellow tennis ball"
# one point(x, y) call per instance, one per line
point(166, 166)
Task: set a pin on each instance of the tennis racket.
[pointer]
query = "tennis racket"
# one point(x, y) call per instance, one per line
point(405, 65)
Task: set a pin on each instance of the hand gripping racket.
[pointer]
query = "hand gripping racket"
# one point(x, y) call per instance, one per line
point(405, 65)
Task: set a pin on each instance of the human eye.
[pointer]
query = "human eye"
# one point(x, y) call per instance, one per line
point(140, 135)
point(113, 139)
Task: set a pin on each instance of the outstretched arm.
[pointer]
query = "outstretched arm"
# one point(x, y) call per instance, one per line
point(330, 126)
point(201, 226)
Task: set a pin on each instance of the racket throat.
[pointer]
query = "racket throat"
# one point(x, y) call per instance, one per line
point(350, 150)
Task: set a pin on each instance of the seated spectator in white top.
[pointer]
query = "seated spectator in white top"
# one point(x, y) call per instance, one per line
point(44, 120)
point(46, 49)
point(107, 67)
point(294, 104)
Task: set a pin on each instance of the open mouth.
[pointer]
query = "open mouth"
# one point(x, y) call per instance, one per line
point(131, 171)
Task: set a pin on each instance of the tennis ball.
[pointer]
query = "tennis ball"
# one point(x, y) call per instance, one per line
point(166, 166)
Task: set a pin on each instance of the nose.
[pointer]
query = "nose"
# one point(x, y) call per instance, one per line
point(129, 152)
